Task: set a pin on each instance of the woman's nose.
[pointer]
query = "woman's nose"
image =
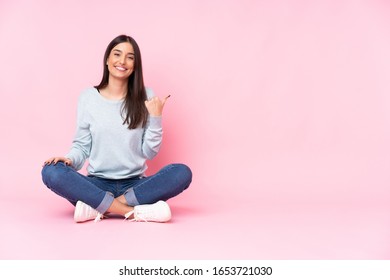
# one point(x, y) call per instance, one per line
point(122, 60)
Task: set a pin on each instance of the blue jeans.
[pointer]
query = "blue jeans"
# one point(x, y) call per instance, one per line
point(99, 193)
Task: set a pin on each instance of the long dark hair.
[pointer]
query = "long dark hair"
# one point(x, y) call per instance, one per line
point(133, 111)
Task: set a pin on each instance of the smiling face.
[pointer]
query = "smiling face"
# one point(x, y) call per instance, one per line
point(120, 62)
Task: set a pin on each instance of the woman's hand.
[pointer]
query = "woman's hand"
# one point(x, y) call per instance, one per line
point(54, 160)
point(155, 106)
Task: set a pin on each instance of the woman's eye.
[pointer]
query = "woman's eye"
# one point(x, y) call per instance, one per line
point(116, 54)
point(131, 57)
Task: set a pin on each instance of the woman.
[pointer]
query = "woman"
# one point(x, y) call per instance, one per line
point(118, 129)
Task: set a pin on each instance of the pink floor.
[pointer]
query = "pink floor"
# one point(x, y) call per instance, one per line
point(250, 228)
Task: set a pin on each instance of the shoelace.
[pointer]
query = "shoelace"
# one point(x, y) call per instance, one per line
point(127, 215)
point(98, 218)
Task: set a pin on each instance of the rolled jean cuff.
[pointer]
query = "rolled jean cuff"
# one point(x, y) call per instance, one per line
point(130, 198)
point(106, 203)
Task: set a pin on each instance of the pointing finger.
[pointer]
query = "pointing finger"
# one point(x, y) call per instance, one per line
point(165, 99)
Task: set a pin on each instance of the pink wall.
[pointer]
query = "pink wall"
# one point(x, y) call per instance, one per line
point(283, 100)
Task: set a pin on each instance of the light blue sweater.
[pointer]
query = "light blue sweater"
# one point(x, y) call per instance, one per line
point(114, 151)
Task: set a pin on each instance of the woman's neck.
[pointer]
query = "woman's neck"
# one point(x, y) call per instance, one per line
point(115, 90)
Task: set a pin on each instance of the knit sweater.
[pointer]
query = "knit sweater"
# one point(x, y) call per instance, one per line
point(113, 150)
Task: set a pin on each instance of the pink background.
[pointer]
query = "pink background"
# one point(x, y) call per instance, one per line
point(281, 109)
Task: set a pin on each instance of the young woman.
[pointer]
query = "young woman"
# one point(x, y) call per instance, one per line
point(118, 129)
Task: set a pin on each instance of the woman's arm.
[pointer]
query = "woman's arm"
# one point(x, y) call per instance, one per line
point(152, 138)
point(81, 146)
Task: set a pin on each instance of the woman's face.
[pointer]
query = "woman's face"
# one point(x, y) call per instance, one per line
point(120, 62)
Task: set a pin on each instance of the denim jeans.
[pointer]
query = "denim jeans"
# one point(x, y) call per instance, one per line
point(99, 193)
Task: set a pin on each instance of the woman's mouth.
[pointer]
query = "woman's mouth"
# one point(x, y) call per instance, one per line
point(120, 68)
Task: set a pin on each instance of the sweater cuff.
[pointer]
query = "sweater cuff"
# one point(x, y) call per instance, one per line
point(75, 165)
point(155, 122)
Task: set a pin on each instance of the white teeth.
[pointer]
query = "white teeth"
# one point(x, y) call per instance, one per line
point(120, 68)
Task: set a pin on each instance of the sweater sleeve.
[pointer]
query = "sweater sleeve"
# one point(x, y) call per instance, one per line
point(152, 137)
point(81, 145)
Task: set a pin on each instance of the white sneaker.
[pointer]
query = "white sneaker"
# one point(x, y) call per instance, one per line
point(83, 212)
point(157, 212)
